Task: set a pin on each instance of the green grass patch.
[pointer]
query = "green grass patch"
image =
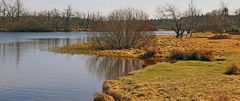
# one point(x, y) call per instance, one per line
point(179, 70)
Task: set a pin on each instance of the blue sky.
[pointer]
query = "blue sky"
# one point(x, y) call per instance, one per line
point(105, 6)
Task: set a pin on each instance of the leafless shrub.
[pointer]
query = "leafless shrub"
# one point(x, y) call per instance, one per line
point(123, 29)
point(221, 37)
point(149, 54)
point(233, 70)
point(200, 55)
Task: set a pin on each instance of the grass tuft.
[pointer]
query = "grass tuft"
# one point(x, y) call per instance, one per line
point(221, 37)
point(148, 54)
point(200, 55)
point(233, 70)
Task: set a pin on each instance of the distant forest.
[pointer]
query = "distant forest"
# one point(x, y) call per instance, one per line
point(15, 18)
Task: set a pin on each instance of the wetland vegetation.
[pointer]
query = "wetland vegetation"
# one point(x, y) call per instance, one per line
point(124, 51)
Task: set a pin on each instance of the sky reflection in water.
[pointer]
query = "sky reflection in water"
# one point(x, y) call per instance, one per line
point(31, 73)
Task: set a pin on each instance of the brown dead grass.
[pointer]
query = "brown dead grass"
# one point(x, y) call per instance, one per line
point(165, 44)
point(181, 81)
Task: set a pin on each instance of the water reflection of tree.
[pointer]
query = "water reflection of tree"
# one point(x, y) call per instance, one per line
point(112, 68)
point(16, 49)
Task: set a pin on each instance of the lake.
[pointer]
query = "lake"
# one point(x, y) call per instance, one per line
point(29, 72)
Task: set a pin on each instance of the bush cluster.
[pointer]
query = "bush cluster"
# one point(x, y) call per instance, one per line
point(148, 54)
point(233, 70)
point(221, 37)
point(200, 55)
point(123, 29)
point(233, 29)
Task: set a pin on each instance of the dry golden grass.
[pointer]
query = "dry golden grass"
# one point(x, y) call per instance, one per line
point(164, 45)
point(168, 43)
point(182, 81)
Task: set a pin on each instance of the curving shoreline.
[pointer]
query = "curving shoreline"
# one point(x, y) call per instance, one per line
point(184, 80)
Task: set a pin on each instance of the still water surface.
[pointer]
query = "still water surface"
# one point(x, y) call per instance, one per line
point(29, 72)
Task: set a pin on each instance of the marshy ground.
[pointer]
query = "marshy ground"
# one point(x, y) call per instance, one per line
point(163, 46)
point(183, 80)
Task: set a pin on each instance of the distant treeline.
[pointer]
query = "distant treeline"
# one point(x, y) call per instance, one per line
point(203, 24)
point(192, 20)
point(14, 17)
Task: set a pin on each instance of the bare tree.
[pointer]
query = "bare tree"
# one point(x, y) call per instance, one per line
point(191, 19)
point(68, 14)
point(171, 12)
point(124, 28)
point(19, 8)
point(4, 12)
point(12, 8)
point(237, 12)
point(55, 19)
point(87, 20)
point(220, 20)
point(4, 8)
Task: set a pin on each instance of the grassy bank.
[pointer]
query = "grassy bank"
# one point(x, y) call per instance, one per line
point(88, 48)
point(184, 80)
